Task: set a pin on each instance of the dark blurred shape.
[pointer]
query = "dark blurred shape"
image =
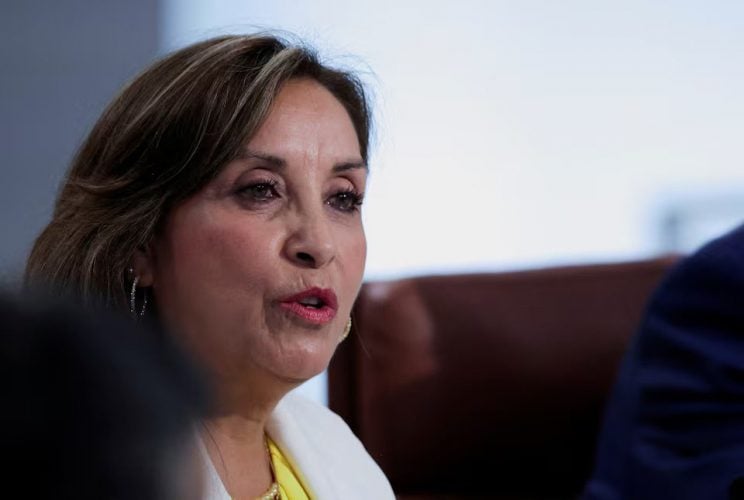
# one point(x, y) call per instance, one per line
point(491, 385)
point(736, 490)
point(94, 407)
point(674, 427)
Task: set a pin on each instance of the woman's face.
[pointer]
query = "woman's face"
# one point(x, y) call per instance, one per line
point(259, 270)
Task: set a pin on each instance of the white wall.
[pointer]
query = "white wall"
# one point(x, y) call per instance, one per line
point(528, 132)
point(524, 132)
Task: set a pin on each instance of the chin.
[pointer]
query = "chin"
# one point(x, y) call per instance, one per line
point(301, 366)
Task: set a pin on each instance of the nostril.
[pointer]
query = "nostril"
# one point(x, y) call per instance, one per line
point(305, 257)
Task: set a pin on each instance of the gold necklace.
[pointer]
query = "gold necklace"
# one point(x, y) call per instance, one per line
point(273, 492)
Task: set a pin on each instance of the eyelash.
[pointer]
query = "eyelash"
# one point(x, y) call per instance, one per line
point(249, 194)
point(356, 198)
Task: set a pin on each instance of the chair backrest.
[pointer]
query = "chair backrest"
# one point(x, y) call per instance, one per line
point(488, 385)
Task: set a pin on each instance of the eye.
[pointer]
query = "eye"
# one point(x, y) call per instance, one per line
point(346, 201)
point(260, 191)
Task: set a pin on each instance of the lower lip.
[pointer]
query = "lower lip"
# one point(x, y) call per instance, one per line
point(316, 316)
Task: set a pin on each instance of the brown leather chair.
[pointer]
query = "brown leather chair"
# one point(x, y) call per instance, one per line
point(488, 385)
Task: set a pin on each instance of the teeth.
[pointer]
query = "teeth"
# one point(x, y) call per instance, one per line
point(311, 301)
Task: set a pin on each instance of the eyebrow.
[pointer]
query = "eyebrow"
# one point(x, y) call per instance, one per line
point(278, 163)
point(349, 165)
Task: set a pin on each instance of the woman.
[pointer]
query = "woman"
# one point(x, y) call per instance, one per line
point(220, 194)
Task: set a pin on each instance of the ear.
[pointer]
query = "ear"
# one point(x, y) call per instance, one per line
point(143, 265)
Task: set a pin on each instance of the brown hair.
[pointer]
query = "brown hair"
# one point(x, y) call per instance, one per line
point(167, 134)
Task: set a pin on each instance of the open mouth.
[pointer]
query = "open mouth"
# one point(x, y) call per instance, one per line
point(315, 305)
point(312, 302)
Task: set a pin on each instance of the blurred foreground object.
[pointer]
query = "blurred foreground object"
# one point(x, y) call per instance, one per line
point(94, 407)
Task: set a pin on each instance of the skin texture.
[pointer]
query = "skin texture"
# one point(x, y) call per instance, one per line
point(279, 219)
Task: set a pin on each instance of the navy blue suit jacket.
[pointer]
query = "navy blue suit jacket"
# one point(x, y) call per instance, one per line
point(674, 425)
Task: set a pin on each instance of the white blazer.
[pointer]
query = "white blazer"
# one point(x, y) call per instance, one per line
point(331, 462)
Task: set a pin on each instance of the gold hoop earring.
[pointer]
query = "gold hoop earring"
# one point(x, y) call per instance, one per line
point(347, 330)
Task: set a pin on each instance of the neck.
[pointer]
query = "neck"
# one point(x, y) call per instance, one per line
point(235, 435)
point(252, 394)
point(237, 448)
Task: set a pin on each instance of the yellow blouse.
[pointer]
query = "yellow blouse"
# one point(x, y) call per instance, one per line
point(290, 487)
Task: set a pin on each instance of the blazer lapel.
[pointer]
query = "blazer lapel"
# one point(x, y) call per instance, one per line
point(305, 454)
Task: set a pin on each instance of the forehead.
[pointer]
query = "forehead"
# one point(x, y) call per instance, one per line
point(306, 118)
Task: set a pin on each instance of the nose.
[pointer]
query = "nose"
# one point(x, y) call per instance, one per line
point(310, 242)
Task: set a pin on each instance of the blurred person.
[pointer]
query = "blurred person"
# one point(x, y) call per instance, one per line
point(220, 195)
point(674, 425)
point(94, 408)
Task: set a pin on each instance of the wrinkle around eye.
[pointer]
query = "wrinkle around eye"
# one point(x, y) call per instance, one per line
point(259, 192)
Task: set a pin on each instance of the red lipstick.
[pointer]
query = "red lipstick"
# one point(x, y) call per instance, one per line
point(315, 305)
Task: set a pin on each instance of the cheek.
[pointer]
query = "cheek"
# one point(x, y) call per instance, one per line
point(213, 276)
point(355, 258)
point(218, 250)
point(361, 252)
point(209, 260)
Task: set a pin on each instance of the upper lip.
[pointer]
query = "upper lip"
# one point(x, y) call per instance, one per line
point(325, 295)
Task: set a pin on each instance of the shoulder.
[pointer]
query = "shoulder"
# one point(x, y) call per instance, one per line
point(696, 312)
point(689, 347)
point(724, 254)
point(325, 451)
point(675, 401)
point(711, 279)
